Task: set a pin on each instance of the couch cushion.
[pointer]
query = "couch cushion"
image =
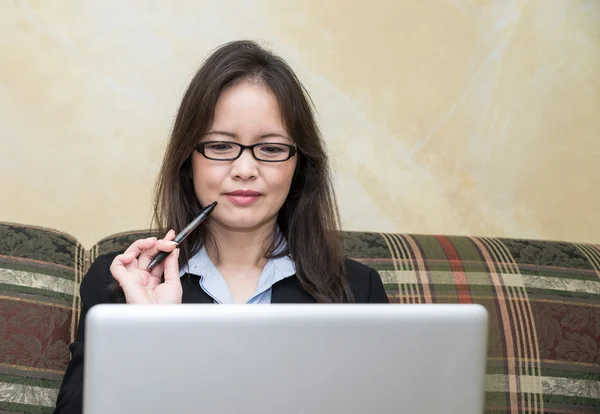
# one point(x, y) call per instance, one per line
point(40, 270)
point(543, 299)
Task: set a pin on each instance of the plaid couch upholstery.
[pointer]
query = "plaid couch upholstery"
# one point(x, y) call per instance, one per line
point(543, 299)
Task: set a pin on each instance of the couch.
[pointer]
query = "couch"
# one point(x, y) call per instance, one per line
point(543, 299)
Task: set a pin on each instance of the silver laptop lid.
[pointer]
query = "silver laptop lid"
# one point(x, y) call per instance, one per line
point(276, 359)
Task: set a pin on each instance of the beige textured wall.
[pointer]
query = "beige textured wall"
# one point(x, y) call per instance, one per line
point(457, 116)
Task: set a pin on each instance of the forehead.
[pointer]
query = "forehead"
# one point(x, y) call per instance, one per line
point(248, 109)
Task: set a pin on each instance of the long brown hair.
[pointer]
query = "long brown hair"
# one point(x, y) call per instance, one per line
point(309, 218)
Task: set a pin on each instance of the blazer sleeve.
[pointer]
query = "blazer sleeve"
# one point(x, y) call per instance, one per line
point(377, 290)
point(93, 290)
point(365, 282)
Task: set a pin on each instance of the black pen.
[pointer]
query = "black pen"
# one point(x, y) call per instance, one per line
point(183, 234)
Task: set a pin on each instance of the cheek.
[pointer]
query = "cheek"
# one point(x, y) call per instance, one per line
point(284, 180)
point(207, 180)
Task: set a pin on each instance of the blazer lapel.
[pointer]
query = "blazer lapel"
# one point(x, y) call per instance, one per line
point(192, 292)
point(289, 290)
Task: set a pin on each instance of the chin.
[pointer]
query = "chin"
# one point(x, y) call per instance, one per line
point(244, 222)
point(243, 225)
point(238, 221)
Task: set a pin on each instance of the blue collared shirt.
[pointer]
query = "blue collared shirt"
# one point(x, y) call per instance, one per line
point(213, 283)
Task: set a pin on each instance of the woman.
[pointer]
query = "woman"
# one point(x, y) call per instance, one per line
point(244, 136)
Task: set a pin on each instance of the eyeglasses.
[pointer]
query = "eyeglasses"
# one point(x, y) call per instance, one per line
point(229, 151)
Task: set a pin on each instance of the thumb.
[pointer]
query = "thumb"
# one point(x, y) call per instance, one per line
point(171, 271)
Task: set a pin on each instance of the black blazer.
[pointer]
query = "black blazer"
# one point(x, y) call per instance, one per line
point(364, 281)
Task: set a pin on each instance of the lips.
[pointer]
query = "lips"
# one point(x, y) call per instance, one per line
point(243, 197)
point(248, 193)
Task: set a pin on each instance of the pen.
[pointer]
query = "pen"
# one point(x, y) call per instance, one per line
point(183, 234)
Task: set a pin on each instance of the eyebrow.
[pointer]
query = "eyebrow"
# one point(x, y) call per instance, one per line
point(264, 136)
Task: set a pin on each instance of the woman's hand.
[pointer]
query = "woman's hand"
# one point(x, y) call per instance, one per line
point(142, 286)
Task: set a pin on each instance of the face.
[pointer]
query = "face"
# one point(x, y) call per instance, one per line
point(249, 192)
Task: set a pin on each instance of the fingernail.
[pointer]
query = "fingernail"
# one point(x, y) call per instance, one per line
point(172, 243)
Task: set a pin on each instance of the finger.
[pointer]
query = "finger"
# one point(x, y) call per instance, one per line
point(118, 266)
point(170, 235)
point(172, 267)
point(165, 245)
point(140, 245)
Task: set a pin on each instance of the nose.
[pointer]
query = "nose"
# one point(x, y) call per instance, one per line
point(245, 167)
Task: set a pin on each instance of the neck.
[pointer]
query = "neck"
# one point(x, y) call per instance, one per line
point(232, 247)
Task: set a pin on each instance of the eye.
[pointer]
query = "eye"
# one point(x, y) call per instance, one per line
point(273, 149)
point(219, 146)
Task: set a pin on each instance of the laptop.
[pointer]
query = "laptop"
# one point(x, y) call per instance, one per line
point(285, 359)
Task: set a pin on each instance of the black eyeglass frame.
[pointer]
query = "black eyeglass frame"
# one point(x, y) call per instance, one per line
point(293, 149)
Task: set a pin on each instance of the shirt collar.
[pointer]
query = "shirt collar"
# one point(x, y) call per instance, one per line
point(275, 270)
